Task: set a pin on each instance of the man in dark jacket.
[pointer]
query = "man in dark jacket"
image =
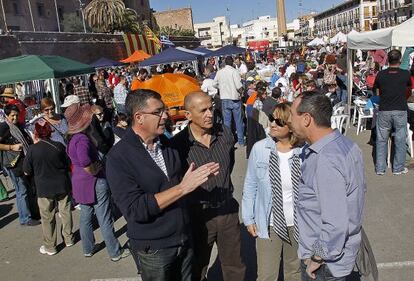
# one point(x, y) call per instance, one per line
point(145, 177)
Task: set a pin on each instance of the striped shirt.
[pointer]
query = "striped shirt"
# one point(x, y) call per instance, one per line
point(221, 150)
point(156, 155)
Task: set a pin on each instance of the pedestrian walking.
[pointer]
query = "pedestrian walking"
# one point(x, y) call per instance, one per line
point(145, 176)
point(331, 197)
point(214, 213)
point(270, 197)
point(90, 188)
point(48, 163)
point(230, 87)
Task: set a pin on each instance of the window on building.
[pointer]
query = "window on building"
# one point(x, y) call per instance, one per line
point(366, 12)
point(41, 9)
point(15, 9)
point(367, 25)
point(374, 11)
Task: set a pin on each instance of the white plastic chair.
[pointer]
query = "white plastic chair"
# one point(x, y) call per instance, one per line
point(340, 122)
point(410, 141)
point(362, 119)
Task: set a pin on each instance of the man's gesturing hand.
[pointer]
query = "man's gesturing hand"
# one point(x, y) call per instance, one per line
point(193, 178)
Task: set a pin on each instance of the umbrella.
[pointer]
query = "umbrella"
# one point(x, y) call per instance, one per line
point(104, 62)
point(227, 50)
point(137, 56)
point(172, 87)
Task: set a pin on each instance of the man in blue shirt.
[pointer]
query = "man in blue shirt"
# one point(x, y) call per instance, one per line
point(331, 193)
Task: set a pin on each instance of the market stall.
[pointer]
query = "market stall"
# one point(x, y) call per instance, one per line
point(105, 62)
point(33, 67)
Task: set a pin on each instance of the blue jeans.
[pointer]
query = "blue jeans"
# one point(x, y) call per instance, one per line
point(342, 92)
point(169, 264)
point(386, 121)
point(102, 209)
point(322, 274)
point(233, 108)
point(21, 197)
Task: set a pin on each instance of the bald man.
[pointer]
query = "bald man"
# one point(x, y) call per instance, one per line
point(213, 210)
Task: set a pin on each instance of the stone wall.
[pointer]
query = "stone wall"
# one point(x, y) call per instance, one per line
point(84, 47)
point(180, 18)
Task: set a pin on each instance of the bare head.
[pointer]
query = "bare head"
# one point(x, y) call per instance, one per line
point(199, 110)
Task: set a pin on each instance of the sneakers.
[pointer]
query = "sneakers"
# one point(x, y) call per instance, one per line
point(44, 251)
point(31, 223)
point(380, 173)
point(404, 171)
point(124, 253)
point(88, 255)
point(69, 244)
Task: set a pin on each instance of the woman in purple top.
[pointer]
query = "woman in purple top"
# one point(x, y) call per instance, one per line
point(89, 185)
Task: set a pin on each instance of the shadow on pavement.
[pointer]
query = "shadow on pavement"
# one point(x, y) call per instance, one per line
point(4, 210)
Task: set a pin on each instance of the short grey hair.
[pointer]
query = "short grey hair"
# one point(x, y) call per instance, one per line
point(318, 106)
point(137, 100)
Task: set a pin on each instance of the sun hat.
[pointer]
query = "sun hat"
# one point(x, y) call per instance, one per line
point(69, 100)
point(79, 117)
point(8, 93)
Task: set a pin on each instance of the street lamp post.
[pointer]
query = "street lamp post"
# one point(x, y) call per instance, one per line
point(81, 5)
point(57, 16)
point(31, 14)
point(4, 16)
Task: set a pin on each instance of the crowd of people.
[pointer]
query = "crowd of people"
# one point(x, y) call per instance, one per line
point(113, 151)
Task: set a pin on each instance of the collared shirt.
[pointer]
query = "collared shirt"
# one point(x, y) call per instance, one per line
point(228, 81)
point(331, 202)
point(221, 150)
point(83, 93)
point(156, 155)
point(120, 94)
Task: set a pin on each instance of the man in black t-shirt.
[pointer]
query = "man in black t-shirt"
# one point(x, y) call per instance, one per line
point(392, 85)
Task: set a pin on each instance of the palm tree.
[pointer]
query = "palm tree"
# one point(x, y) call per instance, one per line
point(105, 15)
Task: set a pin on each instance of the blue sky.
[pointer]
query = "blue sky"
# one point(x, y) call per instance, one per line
point(241, 10)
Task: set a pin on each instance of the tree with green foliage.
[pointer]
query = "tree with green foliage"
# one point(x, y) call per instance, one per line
point(105, 15)
point(72, 23)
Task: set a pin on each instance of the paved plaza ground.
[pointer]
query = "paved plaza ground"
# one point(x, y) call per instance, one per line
point(389, 223)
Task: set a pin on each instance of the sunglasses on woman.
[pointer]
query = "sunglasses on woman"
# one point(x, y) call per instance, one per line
point(279, 122)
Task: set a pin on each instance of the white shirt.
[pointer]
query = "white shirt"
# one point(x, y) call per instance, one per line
point(120, 94)
point(242, 69)
point(208, 87)
point(228, 81)
point(287, 187)
point(289, 70)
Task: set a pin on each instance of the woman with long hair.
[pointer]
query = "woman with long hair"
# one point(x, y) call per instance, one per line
point(269, 198)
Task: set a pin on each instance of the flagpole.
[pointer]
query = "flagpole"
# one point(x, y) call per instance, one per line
point(4, 16)
point(57, 16)
point(31, 14)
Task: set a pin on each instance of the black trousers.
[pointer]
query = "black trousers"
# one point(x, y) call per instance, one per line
point(221, 226)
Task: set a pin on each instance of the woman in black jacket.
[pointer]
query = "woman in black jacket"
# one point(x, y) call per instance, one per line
point(48, 163)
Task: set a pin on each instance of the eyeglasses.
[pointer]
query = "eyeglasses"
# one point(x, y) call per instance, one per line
point(279, 122)
point(158, 113)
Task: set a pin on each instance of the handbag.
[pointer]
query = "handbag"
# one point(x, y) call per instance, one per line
point(9, 159)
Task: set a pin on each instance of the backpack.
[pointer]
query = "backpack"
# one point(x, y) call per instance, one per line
point(300, 68)
point(329, 76)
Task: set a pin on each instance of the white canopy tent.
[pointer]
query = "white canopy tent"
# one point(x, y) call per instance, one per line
point(316, 42)
point(399, 36)
point(338, 38)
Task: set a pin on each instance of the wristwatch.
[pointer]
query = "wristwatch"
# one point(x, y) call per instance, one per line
point(320, 261)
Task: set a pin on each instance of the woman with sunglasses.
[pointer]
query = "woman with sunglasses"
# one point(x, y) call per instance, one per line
point(270, 195)
point(56, 121)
